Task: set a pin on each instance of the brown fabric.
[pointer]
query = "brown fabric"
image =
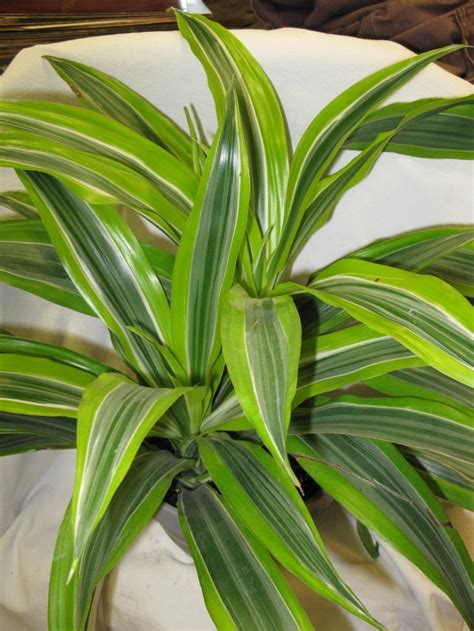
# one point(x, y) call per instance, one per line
point(417, 24)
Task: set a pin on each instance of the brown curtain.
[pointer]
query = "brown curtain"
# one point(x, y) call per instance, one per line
point(417, 24)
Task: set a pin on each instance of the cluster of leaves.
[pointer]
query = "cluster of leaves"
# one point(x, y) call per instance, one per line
point(236, 367)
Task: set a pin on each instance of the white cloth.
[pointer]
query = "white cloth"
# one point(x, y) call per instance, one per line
point(155, 585)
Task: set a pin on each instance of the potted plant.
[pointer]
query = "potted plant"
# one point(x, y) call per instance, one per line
point(234, 372)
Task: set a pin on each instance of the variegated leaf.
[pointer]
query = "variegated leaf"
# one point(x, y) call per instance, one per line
point(447, 134)
point(261, 341)
point(109, 268)
point(116, 100)
point(373, 481)
point(422, 424)
point(273, 510)
point(241, 583)
point(114, 418)
point(207, 254)
point(227, 61)
point(34, 385)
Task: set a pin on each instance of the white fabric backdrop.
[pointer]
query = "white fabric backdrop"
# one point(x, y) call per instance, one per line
point(155, 586)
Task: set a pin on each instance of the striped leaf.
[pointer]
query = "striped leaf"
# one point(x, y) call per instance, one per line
point(207, 254)
point(34, 385)
point(419, 250)
point(423, 313)
point(84, 130)
point(136, 500)
point(444, 482)
point(424, 383)
point(109, 268)
point(418, 423)
point(29, 261)
point(227, 61)
point(114, 418)
point(242, 585)
point(12, 344)
point(447, 134)
point(261, 341)
point(339, 359)
point(325, 137)
point(19, 202)
point(273, 510)
point(96, 178)
point(116, 100)
point(24, 432)
point(374, 482)
point(456, 269)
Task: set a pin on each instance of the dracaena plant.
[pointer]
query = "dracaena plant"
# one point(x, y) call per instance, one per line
point(235, 372)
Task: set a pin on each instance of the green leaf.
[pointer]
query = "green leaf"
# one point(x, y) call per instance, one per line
point(33, 385)
point(423, 313)
point(22, 346)
point(86, 131)
point(29, 261)
point(374, 482)
point(272, 509)
point(114, 417)
point(109, 268)
point(116, 100)
point(242, 586)
point(419, 423)
point(228, 62)
point(425, 383)
point(19, 202)
point(445, 249)
point(133, 505)
point(447, 134)
point(445, 482)
point(94, 177)
point(261, 341)
point(339, 359)
point(208, 251)
point(371, 546)
point(325, 137)
point(24, 432)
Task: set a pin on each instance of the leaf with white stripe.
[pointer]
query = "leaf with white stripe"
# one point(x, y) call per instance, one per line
point(132, 507)
point(339, 359)
point(114, 418)
point(374, 482)
point(447, 134)
point(96, 178)
point(423, 313)
point(444, 481)
point(227, 61)
point(422, 250)
point(24, 432)
point(273, 510)
point(261, 339)
point(34, 385)
point(118, 101)
point(325, 137)
point(413, 422)
point(241, 583)
point(12, 344)
point(456, 269)
point(109, 268)
point(19, 202)
point(424, 383)
point(207, 254)
point(88, 131)
point(29, 261)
